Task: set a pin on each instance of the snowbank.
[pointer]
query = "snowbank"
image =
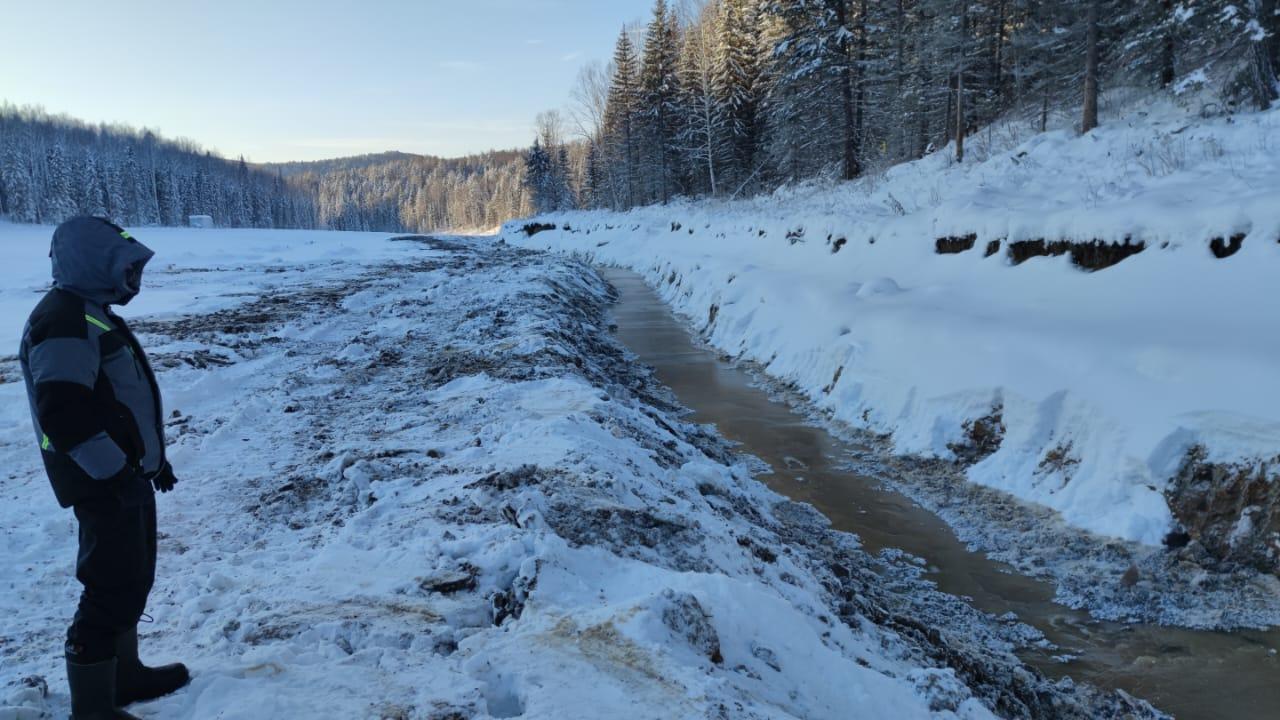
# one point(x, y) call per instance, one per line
point(424, 482)
point(1102, 381)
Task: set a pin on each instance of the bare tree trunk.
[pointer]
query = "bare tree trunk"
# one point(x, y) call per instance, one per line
point(709, 124)
point(850, 162)
point(899, 73)
point(948, 126)
point(1264, 54)
point(1167, 69)
point(701, 47)
point(1270, 15)
point(1090, 119)
point(860, 99)
point(631, 163)
point(997, 39)
point(663, 150)
point(924, 79)
point(964, 33)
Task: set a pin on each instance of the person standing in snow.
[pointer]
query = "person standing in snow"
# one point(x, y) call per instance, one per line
point(99, 424)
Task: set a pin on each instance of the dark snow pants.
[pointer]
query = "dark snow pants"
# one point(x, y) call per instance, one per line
point(117, 566)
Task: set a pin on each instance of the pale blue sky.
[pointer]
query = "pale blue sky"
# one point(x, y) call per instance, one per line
point(308, 79)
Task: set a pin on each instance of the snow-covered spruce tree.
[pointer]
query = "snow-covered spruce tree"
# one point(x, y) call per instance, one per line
point(591, 192)
point(168, 200)
point(811, 109)
point(621, 139)
point(57, 192)
point(145, 183)
point(545, 175)
point(91, 199)
point(113, 190)
point(659, 112)
point(774, 91)
point(19, 197)
point(558, 193)
point(562, 186)
point(736, 90)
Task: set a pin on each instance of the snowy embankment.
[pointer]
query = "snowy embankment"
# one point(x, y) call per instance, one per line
point(1102, 381)
point(953, 307)
point(419, 480)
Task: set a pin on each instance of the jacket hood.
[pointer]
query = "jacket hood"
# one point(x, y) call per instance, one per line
point(92, 258)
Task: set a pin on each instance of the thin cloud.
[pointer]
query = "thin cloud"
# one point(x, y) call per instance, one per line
point(571, 56)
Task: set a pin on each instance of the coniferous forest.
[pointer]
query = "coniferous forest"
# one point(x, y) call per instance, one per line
point(731, 97)
point(721, 98)
point(54, 167)
point(413, 193)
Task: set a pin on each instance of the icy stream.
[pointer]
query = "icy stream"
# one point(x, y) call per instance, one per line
point(1192, 674)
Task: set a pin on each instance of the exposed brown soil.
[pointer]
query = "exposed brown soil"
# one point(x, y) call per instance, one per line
point(1231, 510)
point(1092, 255)
point(531, 229)
point(955, 244)
point(982, 437)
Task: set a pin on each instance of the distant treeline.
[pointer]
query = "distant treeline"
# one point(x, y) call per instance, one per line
point(414, 193)
point(53, 167)
point(727, 97)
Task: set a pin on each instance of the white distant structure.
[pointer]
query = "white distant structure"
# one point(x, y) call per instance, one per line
point(200, 221)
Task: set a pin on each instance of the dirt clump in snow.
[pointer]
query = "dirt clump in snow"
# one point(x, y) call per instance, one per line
point(1231, 510)
point(982, 437)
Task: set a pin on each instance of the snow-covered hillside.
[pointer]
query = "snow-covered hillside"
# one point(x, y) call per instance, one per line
point(950, 306)
point(420, 480)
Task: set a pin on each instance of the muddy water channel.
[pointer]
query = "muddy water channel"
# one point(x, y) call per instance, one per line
point(1190, 674)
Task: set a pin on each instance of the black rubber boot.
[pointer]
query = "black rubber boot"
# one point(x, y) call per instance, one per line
point(93, 692)
point(136, 682)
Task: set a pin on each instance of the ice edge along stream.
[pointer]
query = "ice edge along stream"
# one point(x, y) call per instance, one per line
point(1192, 674)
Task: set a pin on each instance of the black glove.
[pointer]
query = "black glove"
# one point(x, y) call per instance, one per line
point(164, 480)
point(127, 473)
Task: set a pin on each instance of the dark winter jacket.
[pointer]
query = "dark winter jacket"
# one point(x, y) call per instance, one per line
point(94, 399)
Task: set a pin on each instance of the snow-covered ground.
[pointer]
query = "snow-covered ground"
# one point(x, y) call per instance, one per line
point(419, 480)
point(1103, 381)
